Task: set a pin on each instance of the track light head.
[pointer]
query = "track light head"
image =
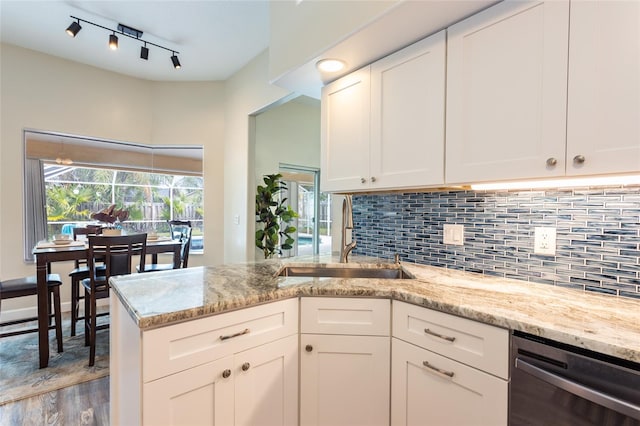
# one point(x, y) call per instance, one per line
point(144, 52)
point(113, 41)
point(176, 61)
point(74, 28)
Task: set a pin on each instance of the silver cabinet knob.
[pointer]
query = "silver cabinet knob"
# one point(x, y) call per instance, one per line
point(578, 159)
point(363, 180)
point(551, 162)
point(246, 366)
point(226, 373)
point(308, 348)
point(373, 178)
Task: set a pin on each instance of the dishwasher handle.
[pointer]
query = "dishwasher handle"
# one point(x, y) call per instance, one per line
point(593, 395)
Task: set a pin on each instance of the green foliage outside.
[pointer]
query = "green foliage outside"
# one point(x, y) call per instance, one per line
point(274, 215)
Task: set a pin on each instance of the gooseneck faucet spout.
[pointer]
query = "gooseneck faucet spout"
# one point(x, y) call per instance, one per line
point(347, 223)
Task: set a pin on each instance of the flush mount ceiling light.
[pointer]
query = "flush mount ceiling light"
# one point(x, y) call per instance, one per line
point(330, 65)
point(126, 31)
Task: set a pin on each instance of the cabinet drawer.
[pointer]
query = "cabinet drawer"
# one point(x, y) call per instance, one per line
point(366, 317)
point(473, 343)
point(178, 347)
point(429, 389)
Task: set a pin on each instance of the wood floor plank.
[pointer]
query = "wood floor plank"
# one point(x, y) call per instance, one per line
point(82, 404)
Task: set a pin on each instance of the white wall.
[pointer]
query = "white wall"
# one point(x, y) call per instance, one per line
point(42, 92)
point(247, 93)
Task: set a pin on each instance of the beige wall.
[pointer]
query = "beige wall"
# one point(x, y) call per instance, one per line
point(247, 93)
point(42, 92)
point(301, 30)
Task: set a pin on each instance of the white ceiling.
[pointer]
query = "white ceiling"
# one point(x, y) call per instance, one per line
point(215, 38)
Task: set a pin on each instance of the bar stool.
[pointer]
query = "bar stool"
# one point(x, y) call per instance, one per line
point(28, 286)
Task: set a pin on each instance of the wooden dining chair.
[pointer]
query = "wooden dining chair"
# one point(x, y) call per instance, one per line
point(117, 252)
point(180, 231)
point(28, 286)
point(79, 273)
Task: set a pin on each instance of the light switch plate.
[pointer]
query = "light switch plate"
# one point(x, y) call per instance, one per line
point(545, 241)
point(453, 234)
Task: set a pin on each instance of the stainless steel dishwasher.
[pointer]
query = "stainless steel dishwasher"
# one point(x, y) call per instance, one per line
point(557, 384)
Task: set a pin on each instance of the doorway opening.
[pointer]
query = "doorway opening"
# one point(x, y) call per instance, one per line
point(313, 224)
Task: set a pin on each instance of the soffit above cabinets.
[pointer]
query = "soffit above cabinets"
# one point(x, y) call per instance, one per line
point(403, 25)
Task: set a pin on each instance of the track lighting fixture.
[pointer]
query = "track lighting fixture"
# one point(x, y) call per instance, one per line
point(126, 31)
point(113, 41)
point(74, 28)
point(176, 61)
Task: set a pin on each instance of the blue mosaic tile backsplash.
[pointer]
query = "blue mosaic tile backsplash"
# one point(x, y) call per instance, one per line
point(597, 234)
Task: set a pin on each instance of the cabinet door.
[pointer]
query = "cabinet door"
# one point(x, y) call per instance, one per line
point(604, 87)
point(266, 384)
point(407, 116)
point(345, 113)
point(457, 395)
point(506, 93)
point(344, 380)
point(198, 396)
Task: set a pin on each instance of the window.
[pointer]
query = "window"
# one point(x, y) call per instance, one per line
point(74, 193)
point(68, 178)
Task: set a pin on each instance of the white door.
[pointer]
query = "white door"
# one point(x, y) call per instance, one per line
point(345, 112)
point(506, 93)
point(443, 392)
point(344, 380)
point(201, 395)
point(266, 384)
point(407, 116)
point(603, 124)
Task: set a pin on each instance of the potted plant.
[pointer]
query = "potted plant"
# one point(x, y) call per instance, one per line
point(113, 218)
point(274, 215)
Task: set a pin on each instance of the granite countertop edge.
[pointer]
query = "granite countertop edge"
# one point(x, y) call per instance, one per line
point(602, 323)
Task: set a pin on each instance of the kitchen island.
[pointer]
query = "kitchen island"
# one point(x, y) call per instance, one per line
point(150, 303)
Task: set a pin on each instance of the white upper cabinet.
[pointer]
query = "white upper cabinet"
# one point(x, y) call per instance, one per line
point(603, 124)
point(507, 93)
point(345, 133)
point(383, 126)
point(407, 116)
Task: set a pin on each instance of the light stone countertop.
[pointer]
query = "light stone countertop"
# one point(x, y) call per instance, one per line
point(602, 323)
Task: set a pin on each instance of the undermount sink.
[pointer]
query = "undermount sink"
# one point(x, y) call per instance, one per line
point(344, 272)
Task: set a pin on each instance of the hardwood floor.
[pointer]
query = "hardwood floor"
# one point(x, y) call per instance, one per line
point(83, 404)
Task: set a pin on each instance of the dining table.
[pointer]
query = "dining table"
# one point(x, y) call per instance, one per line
point(46, 254)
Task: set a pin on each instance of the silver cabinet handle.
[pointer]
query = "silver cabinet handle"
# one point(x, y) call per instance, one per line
point(609, 401)
point(226, 373)
point(578, 159)
point(363, 180)
point(442, 336)
point(245, 366)
point(373, 178)
point(446, 373)
point(551, 162)
point(231, 336)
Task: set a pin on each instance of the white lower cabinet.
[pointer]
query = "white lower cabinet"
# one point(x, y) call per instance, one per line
point(236, 368)
point(447, 370)
point(198, 396)
point(344, 378)
point(429, 389)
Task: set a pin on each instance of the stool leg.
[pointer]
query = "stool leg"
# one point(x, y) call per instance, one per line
point(87, 317)
point(58, 316)
point(75, 305)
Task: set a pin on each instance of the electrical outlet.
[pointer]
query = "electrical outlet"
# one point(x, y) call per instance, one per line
point(453, 234)
point(545, 241)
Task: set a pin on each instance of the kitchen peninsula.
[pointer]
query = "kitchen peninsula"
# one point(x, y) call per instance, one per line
point(167, 325)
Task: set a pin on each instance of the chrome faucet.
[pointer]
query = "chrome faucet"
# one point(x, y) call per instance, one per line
point(347, 223)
